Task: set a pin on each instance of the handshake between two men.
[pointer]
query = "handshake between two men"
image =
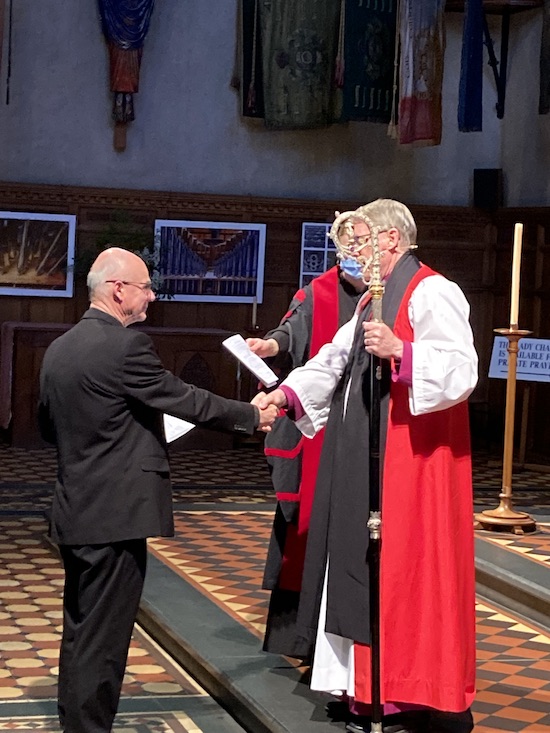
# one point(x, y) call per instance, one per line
point(268, 412)
point(378, 339)
point(268, 405)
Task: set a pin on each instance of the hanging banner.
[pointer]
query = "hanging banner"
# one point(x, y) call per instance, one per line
point(299, 53)
point(422, 43)
point(471, 69)
point(369, 53)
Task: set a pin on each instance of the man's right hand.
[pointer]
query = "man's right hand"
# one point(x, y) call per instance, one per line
point(263, 400)
point(268, 415)
point(263, 347)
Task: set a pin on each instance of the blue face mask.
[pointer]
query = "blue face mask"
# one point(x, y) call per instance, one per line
point(351, 267)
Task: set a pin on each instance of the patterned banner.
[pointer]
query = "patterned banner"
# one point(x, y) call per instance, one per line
point(421, 71)
point(369, 53)
point(299, 49)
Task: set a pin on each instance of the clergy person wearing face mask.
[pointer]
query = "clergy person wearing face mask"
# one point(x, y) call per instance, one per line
point(313, 317)
point(429, 368)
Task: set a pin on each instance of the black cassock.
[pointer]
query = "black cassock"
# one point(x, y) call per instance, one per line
point(293, 336)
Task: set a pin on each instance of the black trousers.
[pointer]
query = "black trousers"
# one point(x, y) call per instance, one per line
point(103, 585)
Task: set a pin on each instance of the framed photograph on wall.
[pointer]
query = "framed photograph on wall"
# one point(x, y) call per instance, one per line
point(318, 251)
point(37, 254)
point(210, 261)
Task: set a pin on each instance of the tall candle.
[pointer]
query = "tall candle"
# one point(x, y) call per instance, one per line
point(254, 311)
point(516, 270)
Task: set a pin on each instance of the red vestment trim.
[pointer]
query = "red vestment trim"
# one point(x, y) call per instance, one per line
point(325, 320)
point(287, 496)
point(300, 296)
point(281, 453)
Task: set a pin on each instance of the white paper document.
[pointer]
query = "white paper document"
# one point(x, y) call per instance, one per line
point(239, 348)
point(174, 427)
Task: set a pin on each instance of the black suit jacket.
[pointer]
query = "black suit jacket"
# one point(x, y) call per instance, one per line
point(103, 390)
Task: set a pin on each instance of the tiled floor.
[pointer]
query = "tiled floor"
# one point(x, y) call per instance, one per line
point(189, 468)
point(200, 476)
point(170, 722)
point(513, 674)
point(220, 549)
point(223, 554)
point(536, 546)
point(245, 467)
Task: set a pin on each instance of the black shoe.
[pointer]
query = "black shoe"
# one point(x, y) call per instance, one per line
point(338, 711)
point(358, 724)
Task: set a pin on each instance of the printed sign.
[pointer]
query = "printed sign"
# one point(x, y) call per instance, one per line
point(533, 364)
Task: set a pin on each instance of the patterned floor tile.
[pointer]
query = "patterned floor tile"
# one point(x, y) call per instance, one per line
point(222, 554)
point(31, 584)
point(230, 476)
point(489, 474)
point(169, 722)
point(27, 466)
point(244, 467)
point(242, 495)
point(536, 547)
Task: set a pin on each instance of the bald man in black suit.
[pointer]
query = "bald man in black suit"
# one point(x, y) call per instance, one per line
point(103, 391)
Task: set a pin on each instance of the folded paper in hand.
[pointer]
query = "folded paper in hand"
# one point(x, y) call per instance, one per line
point(175, 427)
point(239, 348)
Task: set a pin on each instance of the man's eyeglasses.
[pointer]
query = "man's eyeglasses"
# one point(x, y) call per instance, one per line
point(146, 287)
point(363, 241)
point(360, 242)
